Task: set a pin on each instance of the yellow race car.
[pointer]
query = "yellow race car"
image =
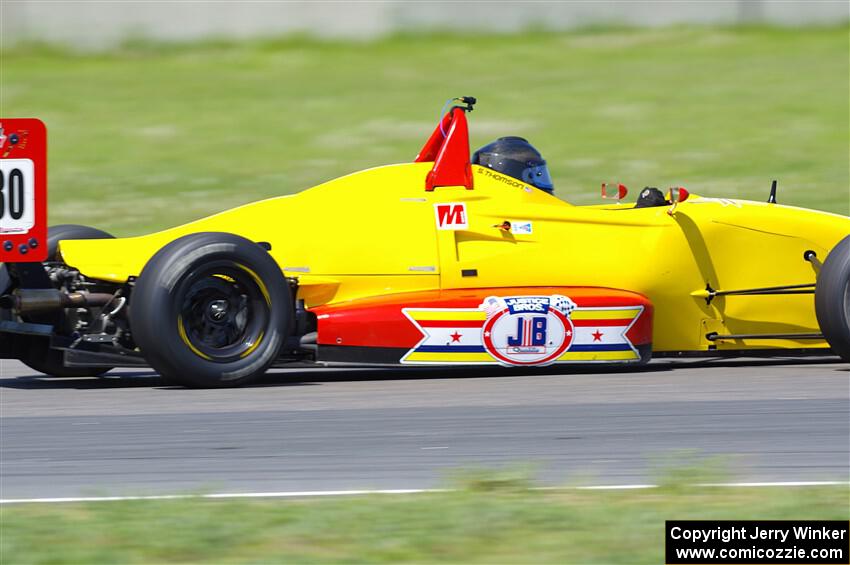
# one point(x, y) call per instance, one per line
point(449, 260)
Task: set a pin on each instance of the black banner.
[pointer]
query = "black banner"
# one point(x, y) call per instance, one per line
point(816, 542)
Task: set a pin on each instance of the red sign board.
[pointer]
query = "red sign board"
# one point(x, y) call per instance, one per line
point(23, 190)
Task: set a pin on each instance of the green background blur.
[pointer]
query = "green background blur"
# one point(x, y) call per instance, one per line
point(152, 135)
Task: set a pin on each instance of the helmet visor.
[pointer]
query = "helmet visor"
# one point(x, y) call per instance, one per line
point(538, 175)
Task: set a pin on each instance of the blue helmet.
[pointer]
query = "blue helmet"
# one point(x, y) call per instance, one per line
point(517, 158)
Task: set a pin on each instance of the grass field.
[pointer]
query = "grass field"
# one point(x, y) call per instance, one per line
point(473, 526)
point(152, 135)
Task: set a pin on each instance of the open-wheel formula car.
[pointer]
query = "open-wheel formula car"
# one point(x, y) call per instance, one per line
point(441, 262)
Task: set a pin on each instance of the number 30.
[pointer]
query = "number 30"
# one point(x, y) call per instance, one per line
point(16, 194)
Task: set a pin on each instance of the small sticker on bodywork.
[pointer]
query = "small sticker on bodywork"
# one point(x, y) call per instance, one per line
point(451, 216)
point(722, 201)
point(521, 227)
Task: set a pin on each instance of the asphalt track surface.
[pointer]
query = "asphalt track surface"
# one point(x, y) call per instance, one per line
point(321, 429)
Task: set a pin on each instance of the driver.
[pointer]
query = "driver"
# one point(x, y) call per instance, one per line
point(517, 158)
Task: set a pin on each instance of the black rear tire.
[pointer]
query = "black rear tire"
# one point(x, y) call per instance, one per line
point(832, 299)
point(211, 310)
point(38, 355)
point(55, 234)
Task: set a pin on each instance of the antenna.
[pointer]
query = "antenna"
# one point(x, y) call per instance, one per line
point(772, 198)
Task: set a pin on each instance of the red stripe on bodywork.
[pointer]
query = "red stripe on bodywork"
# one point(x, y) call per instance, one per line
point(641, 331)
point(380, 322)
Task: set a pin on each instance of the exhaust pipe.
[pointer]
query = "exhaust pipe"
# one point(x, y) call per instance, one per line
point(31, 300)
point(308, 342)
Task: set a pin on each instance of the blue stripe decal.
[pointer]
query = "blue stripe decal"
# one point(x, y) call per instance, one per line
point(450, 349)
point(601, 347)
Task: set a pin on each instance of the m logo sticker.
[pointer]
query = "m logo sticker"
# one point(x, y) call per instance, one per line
point(451, 216)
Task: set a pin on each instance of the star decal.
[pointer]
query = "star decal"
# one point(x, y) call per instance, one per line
point(597, 335)
point(456, 336)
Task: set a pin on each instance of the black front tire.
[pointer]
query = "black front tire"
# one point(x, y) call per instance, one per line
point(38, 355)
point(211, 310)
point(832, 299)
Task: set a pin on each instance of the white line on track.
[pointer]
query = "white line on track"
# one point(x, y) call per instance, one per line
point(317, 493)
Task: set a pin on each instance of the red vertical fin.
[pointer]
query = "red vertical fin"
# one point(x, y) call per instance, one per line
point(450, 153)
point(432, 146)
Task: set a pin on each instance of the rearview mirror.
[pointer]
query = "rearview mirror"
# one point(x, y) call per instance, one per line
point(677, 194)
point(614, 190)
